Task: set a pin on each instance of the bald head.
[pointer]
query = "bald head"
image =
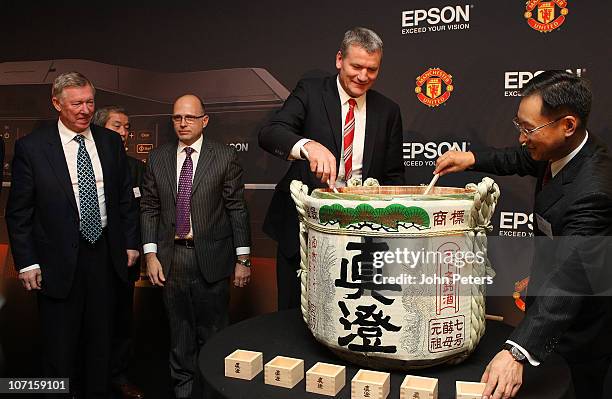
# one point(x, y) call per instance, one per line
point(189, 118)
point(193, 100)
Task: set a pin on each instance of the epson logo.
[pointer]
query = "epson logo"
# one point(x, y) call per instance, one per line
point(434, 16)
point(240, 147)
point(454, 18)
point(430, 151)
point(514, 81)
point(513, 224)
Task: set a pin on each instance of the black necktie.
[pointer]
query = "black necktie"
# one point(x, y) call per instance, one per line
point(547, 175)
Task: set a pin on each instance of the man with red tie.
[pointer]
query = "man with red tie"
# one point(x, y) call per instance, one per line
point(196, 233)
point(333, 129)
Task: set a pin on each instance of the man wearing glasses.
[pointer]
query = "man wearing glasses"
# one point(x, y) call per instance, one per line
point(196, 234)
point(568, 305)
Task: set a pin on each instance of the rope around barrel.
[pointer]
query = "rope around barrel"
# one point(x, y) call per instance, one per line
point(486, 196)
point(299, 194)
point(485, 200)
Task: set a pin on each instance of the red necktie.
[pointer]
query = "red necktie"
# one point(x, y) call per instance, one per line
point(547, 175)
point(348, 134)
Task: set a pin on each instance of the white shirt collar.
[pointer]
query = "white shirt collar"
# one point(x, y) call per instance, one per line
point(344, 97)
point(67, 135)
point(555, 167)
point(197, 146)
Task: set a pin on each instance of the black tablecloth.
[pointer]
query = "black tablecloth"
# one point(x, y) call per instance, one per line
point(285, 333)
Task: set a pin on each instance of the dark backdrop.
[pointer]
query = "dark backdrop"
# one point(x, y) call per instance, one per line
point(486, 54)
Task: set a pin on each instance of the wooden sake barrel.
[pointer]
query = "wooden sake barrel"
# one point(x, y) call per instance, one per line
point(387, 279)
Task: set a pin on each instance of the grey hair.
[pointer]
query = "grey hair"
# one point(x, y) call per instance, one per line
point(102, 114)
point(70, 79)
point(362, 37)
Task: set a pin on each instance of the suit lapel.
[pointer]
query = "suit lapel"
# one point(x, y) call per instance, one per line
point(170, 167)
point(553, 191)
point(331, 101)
point(57, 161)
point(549, 195)
point(370, 135)
point(206, 157)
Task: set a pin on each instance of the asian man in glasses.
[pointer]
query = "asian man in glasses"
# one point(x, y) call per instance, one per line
point(568, 310)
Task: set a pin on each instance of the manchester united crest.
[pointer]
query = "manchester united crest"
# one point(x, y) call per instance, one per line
point(543, 16)
point(434, 87)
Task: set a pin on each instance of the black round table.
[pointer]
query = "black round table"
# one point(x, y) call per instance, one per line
point(285, 333)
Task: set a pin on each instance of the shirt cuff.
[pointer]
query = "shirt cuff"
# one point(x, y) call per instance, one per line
point(243, 250)
point(32, 267)
point(296, 149)
point(149, 247)
point(531, 360)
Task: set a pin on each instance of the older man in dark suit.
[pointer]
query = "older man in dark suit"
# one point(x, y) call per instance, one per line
point(343, 130)
point(196, 233)
point(74, 230)
point(569, 308)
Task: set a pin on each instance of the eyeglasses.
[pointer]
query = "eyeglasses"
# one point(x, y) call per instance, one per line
point(529, 132)
point(189, 119)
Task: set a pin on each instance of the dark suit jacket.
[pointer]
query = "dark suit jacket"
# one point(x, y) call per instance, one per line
point(568, 305)
point(219, 214)
point(137, 169)
point(2, 160)
point(313, 111)
point(1, 297)
point(42, 215)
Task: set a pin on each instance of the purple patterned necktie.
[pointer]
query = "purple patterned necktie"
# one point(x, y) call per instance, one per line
point(183, 197)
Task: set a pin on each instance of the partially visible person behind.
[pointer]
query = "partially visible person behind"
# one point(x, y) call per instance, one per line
point(74, 232)
point(568, 307)
point(2, 300)
point(116, 118)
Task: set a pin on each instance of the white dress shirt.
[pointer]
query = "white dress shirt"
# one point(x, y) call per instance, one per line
point(555, 167)
point(181, 155)
point(71, 149)
point(358, 139)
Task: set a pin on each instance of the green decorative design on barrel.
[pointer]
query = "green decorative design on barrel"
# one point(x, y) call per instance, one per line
point(389, 216)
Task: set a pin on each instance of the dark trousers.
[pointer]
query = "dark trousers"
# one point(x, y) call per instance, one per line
point(77, 330)
point(196, 310)
point(122, 347)
point(287, 281)
point(589, 377)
